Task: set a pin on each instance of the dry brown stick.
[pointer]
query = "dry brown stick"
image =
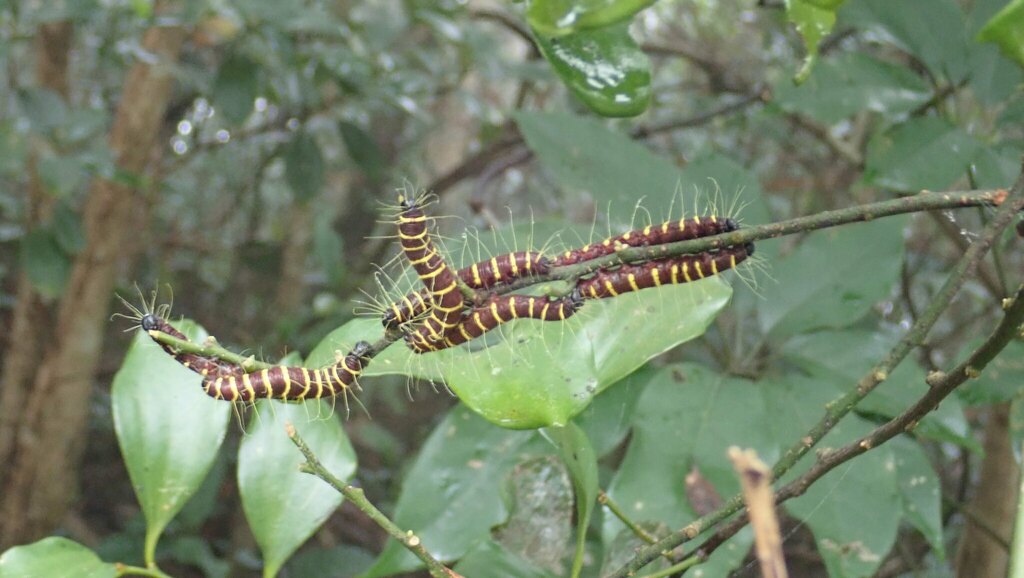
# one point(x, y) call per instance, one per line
point(756, 479)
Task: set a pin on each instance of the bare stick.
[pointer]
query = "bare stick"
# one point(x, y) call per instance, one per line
point(756, 480)
point(355, 495)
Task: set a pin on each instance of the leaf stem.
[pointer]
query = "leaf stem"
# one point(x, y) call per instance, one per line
point(356, 496)
point(151, 572)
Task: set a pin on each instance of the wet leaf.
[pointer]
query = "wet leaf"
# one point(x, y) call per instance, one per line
point(283, 505)
point(54, 558)
point(540, 499)
point(168, 429)
point(604, 68)
point(561, 17)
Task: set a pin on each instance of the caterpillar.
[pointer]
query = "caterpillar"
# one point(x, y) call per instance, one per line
point(291, 383)
point(671, 270)
point(667, 232)
point(498, 309)
point(482, 275)
point(205, 366)
point(446, 302)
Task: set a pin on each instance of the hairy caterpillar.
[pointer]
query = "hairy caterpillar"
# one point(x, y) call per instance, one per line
point(667, 232)
point(482, 275)
point(291, 383)
point(671, 270)
point(442, 284)
point(498, 309)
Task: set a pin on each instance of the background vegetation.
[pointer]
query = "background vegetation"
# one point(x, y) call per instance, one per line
point(239, 152)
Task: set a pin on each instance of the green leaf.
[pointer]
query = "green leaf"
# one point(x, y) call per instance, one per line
point(531, 374)
point(841, 358)
point(46, 265)
point(578, 455)
point(833, 278)
point(919, 491)
point(1006, 29)
point(344, 560)
point(304, 166)
point(854, 510)
point(283, 505)
point(539, 497)
point(488, 558)
point(935, 35)
point(604, 68)
point(703, 413)
point(168, 429)
point(62, 175)
point(925, 153)
point(54, 558)
point(236, 87)
point(814, 19)
point(1002, 380)
point(363, 149)
point(451, 495)
point(67, 229)
point(585, 155)
point(328, 247)
point(607, 420)
point(44, 109)
point(849, 83)
point(561, 17)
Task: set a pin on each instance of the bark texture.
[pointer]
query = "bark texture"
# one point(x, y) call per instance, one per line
point(995, 504)
point(48, 443)
point(31, 318)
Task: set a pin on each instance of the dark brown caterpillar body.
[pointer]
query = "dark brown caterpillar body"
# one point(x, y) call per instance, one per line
point(498, 310)
point(672, 270)
point(204, 366)
point(440, 281)
point(290, 383)
point(667, 232)
point(483, 275)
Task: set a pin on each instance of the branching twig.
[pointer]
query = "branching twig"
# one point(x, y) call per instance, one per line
point(839, 408)
point(358, 498)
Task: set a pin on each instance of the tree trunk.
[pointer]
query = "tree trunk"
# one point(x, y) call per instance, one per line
point(31, 318)
point(48, 443)
point(994, 503)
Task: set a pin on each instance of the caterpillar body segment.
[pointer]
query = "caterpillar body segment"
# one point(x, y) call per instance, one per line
point(204, 366)
point(439, 279)
point(483, 275)
point(497, 310)
point(668, 271)
point(291, 383)
point(667, 232)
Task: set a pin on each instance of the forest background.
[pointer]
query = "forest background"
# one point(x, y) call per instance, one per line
point(240, 153)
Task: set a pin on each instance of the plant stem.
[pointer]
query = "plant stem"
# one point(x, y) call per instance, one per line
point(839, 408)
point(355, 495)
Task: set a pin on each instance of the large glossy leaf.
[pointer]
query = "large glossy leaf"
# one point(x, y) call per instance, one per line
point(833, 278)
point(919, 491)
point(532, 374)
point(168, 429)
point(604, 68)
point(850, 83)
point(814, 19)
point(1006, 29)
point(54, 558)
point(539, 495)
point(581, 461)
point(922, 153)
point(935, 34)
point(452, 494)
point(703, 413)
point(607, 420)
point(488, 558)
point(283, 505)
point(560, 17)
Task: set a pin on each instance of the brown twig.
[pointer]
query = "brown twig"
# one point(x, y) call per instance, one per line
point(756, 481)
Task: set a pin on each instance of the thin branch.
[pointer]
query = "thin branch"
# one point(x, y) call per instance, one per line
point(357, 497)
point(839, 408)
